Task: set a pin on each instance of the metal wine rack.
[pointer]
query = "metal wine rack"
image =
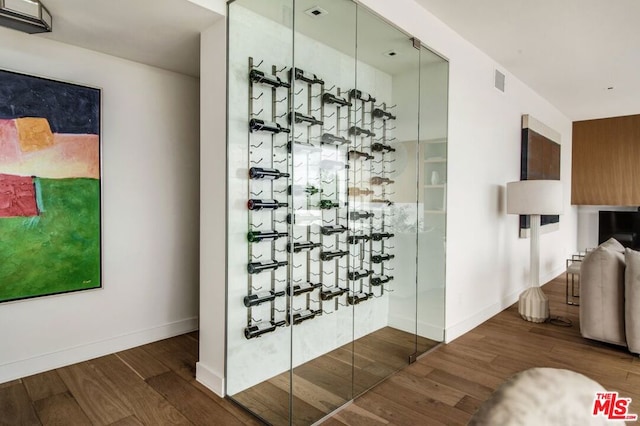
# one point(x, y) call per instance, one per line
point(267, 148)
point(319, 230)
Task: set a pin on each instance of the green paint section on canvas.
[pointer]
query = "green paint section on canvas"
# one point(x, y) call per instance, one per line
point(57, 251)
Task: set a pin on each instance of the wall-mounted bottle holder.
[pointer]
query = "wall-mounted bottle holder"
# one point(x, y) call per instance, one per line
point(318, 194)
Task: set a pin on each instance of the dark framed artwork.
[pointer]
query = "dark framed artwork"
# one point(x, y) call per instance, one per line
point(50, 205)
point(540, 159)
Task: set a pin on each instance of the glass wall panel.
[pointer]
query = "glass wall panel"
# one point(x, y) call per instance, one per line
point(260, 54)
point(434, 74)
point(336, 204)
point(384, 185)
point(322, 318)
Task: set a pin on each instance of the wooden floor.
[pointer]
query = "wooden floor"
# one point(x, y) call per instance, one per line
point(329, 381)
point(154, 384)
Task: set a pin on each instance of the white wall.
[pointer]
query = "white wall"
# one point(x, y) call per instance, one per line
point(213, 208)
point(150, 214)
point(487, 264)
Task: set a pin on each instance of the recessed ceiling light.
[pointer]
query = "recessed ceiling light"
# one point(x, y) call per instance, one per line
point(391, 53)
point(316, 12)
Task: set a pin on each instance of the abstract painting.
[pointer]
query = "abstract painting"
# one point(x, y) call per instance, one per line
point(540, 159)
point(50, 240)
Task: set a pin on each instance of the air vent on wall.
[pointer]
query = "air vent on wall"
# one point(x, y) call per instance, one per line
point(316, 12)
point(499, 81)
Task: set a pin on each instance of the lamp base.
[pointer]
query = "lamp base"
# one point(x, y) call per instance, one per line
point(533, 305)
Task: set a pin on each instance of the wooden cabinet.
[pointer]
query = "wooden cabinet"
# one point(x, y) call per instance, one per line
point(605, 166)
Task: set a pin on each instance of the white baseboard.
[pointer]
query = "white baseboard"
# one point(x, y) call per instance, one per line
point(453, 332)
point(209, 379)
point(468, 324)
point(553, 274)
point(45, 362)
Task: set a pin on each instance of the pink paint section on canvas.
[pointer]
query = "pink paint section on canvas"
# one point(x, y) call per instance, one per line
point(70, 156)
point(9, 145)
point(80, 152)
point(17, 196)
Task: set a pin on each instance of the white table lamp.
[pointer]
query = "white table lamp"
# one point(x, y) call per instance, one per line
point(534, 198)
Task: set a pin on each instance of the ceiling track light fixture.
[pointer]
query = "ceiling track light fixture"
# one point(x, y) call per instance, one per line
point(29, 16)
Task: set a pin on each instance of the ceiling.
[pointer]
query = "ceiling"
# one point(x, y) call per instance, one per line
point(161, 33)
point(583, 56)
point(340, 27)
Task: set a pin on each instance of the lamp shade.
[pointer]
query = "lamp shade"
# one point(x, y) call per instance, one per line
point(534, 197)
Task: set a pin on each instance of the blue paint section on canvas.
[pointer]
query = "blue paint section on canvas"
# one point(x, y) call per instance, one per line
point(68, 107)
point(39, 202)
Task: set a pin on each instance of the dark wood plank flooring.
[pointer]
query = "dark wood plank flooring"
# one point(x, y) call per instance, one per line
point(329, 381)
point(154, 384)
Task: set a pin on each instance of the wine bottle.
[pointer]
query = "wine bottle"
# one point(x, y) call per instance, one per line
point(356, 192)
point(256, 125)
point(357, 131)
point(381, 201)
point(257, 236)
point(379, 236)
point(358, 94)
point(332, 229)
point(355, 239)
point(304, 315)
point(380, 279)
point(354, 299)
point(266, 173)
point(302, 246)
point(307, 77)
point(329, 139)
point(354, 155)
point(301, 189)
point(303, 219)
point(378, 180)
point(380, 147)
point(258, 76)
point(328, 204)
point(329, 255)
point(360, 215)
point(332, 293)
point(303, 118)
point(385, 115)
point(256, 204)
point(379, 258)
point(261, 297)
point(257, 330)
point(298, 289)
point(330, 98)
point(257, 267)
point(301, 147)
point(359, 274)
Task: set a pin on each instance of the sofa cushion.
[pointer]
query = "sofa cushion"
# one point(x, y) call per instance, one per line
point(613, 244)
point(632, 299)
point(602, 296)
